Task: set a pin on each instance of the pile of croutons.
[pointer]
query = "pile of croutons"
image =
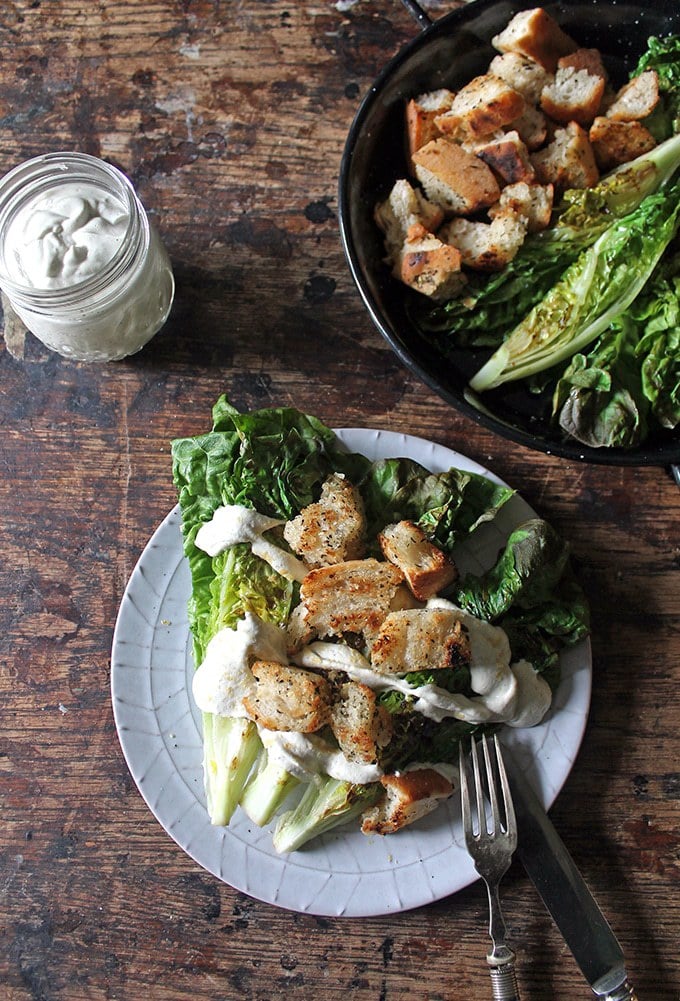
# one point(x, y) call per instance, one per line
point(488, 161)
point(380, 606)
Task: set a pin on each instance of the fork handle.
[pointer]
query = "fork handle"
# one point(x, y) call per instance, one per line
point(504, 982)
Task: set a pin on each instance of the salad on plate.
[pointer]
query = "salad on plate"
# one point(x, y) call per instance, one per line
point(341, 651)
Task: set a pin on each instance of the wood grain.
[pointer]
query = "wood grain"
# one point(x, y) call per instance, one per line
point(231, 119)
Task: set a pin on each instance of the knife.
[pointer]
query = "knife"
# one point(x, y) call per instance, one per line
point(566, 895)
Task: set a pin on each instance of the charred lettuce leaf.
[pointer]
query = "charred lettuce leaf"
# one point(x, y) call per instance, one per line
point(446, 506)
point(605, 398)
point(595, 289)
point(531, 593)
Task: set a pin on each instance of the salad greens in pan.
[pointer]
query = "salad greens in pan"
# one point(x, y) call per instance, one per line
point(588, 308)
point(340, 654)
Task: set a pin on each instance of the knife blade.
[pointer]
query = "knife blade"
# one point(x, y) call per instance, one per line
point(566, 894)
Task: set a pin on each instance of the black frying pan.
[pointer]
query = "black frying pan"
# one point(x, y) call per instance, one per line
point(448, 53)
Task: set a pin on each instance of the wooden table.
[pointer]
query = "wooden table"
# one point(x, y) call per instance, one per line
point(230, 118)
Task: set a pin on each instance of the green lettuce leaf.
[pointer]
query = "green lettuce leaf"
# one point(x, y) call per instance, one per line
point(446, 506)
point(606, 397)
point(532, 594)
point(663, 55)
point(599, 399)
point(593, 290)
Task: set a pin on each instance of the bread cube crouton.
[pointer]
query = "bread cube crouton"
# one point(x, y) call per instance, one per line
point(617, 142)
point(431, 267)
point(426, 568)
point(487, 246)
point(523, 74)
point(352, 597)
point(421, 113)
point(480, 107)
point(531, 127)
point(585, 59)
point(534, 33)
point(362, 727)
point(403, 210)
point(288, 698)
point(420, 639)
point(456, 180)
point(568, 161)
point(508, 157)
point(636, 99)
point(575, 95)
point(298, 630)
point(534, 202)
point(331, 530)
point(409, 796)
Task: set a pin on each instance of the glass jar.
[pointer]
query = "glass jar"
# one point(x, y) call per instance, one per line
point(79, 261)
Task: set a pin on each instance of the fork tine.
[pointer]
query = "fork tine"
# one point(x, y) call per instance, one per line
point(479, 789)
point(464, 794)
point(508, 807)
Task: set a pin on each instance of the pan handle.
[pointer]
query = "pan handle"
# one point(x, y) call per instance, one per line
point(423, 19)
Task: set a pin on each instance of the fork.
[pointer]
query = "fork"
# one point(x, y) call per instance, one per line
point(491, 848)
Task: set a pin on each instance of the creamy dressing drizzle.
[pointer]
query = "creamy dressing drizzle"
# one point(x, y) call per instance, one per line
point(224, 678)
point(301, 753)
point(232, 524)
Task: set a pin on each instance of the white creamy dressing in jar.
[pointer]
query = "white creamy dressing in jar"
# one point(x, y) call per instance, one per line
point(63, 236)
point(80, 263)
point(232, 524)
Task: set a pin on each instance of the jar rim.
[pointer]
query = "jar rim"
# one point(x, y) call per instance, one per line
point(48, 171)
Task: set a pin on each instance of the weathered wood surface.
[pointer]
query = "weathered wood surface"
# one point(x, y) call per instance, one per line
point(230, 118)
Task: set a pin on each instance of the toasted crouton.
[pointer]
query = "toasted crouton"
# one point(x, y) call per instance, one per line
point(360, 724)
point(288, 698)
point(431, 267)
point(480, 107)
point(408, 797)
point(532, 127)
point(405, 208)
point(331, 530)
point(575, 95)
point(508, 157)
point(585, 59)
point(420, 639)
point(636, 99)
point(352, 597)
point(532, 201)
point(298, 630)
point(523, 74)
point(454, 179)
point(421, 113)
point(568, 161)
point(617, 142)
point(534, 33)
point(426, 568)
point(488, 246)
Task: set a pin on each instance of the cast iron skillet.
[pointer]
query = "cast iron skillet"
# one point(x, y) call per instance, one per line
point(448, 53)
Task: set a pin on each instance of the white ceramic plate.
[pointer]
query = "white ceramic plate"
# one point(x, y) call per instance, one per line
point(343, 872)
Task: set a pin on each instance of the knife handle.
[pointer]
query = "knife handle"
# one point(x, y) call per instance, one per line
point(623, 993)
point(504, 983)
